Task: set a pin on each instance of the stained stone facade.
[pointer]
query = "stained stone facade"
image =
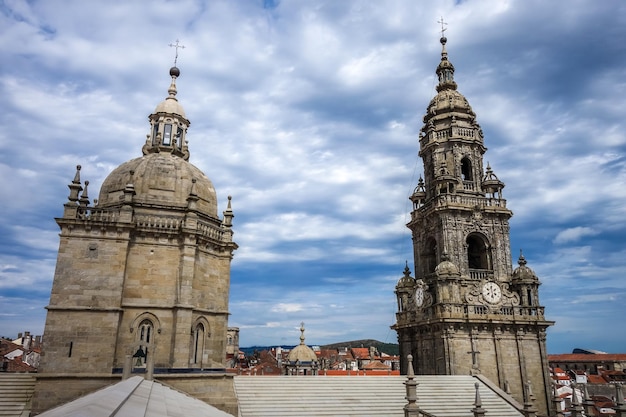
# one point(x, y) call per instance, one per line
point(467, 311)
point(143, 272)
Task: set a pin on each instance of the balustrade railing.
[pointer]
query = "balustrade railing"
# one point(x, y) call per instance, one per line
point(480, 274)
point(211, 231)
point(97, 215)
point(158, 222)
point(467, 311)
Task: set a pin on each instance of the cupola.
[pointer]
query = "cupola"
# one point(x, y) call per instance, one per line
point(168, 124)
point(523, 274)
point(491, 184)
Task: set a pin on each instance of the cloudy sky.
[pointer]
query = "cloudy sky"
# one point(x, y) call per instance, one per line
point(308, 114)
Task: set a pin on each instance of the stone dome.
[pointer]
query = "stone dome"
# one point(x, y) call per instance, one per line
point(407, 281)
point(302, 353)
point(446, 267)
point(159, 179)
point(450, 101)
point(171, 106)
point(524, 273)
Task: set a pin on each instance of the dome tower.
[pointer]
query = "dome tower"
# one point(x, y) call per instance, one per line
point(142, 276)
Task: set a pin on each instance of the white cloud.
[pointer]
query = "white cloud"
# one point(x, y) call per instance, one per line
point(573, 234)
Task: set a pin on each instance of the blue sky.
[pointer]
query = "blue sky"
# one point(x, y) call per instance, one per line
point(308, 114)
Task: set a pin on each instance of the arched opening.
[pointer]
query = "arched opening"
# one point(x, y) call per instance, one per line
point(145, 336)
point(198, 343)
point(477, 252)
point(466, 169)
point(430, 256)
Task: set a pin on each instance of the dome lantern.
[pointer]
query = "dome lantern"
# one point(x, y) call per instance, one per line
point(168, 124)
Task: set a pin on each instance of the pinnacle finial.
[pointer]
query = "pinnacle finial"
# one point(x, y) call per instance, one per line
point(521, 261)
point(84, 198)
point(301, 333)
point(409, 372)
point(76, 179)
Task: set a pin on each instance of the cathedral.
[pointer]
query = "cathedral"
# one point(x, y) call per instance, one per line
point(142, 280)
point(467, 311)
point(143, 274)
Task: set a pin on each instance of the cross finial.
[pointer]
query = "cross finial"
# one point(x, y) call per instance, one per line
point(443, 26)
point(176, 45)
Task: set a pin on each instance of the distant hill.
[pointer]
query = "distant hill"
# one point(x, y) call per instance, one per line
point(388, 348)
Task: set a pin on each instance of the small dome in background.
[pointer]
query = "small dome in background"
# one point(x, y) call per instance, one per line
point(302, 352)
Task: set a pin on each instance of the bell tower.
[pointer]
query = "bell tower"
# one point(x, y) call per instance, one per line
point(466, 311)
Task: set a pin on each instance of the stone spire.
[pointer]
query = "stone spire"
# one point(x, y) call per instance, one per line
point(445, 70)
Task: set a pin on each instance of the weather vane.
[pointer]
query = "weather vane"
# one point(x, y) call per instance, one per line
point(443, 26)
point(176, 45)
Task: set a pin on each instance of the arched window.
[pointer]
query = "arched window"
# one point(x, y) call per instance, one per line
point(477, 252)
point(145, 335)
point(198, 343)
point(466, 169)
point(430, 255)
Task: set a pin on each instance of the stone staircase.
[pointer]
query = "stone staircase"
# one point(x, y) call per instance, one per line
point(16, 391)
point(324, 396)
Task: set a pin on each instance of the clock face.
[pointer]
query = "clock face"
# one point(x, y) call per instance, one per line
point(492, 292)
point(419, 297)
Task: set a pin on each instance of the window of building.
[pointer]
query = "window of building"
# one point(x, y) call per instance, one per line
point(145, 334)
point(477, 252)
point(466, 169)
point(167, 134)
point(198, 343)
point(179, 137)
point(430, 255)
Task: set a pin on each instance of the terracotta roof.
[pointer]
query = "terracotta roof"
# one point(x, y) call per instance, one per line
point(596, 379)
point(376, 365)
point(6, 346)
point(360, 353)
point(584, 357)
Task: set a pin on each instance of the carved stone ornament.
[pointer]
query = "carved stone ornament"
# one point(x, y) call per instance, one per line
point(491, 293)
point(423, 298)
